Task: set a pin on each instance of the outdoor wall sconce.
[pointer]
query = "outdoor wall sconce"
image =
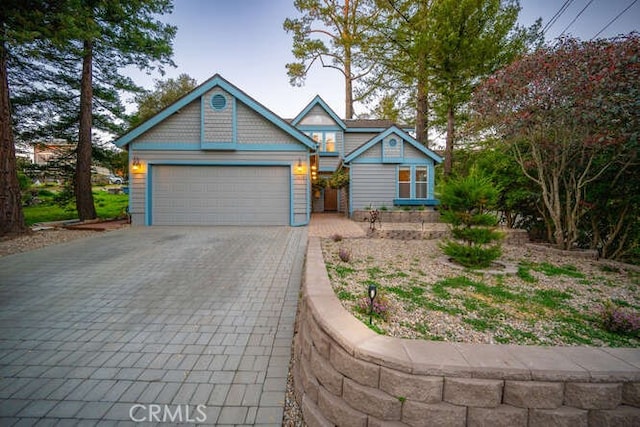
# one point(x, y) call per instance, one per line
point(300, 167)
point(136, 166)
point(373, 291)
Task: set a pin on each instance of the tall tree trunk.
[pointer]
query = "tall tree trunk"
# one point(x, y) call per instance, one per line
point(448, 151)
point(348, 85)
point(84, 196)
point(11, 215)
point(422, 101)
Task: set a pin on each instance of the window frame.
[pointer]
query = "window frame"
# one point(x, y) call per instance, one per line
point(322, 140)
point(413, 182)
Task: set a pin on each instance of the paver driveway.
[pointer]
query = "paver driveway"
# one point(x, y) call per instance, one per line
point(163, 318)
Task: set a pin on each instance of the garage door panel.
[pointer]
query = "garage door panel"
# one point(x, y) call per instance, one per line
point(220, 195)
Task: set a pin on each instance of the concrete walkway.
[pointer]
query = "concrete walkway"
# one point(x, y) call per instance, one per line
point(148, 323)
point(328, 224)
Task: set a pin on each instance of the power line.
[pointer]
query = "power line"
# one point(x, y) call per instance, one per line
point(576, 18)
point(555, 17)
point(614, 19)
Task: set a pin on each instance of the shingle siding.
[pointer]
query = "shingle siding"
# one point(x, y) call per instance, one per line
point(217, 123)
point(355, 140)
point(183, 126)
point(254, 129)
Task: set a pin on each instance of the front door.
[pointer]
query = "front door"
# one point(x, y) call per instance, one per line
point(330, 200)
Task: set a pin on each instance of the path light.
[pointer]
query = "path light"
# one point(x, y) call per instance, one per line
point(373, 291)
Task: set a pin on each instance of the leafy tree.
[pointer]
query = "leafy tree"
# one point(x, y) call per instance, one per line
point(79, 79)
point(335, 34)
point(569, 114)
point(21, 22)
point(165, 93)
point(466, 204)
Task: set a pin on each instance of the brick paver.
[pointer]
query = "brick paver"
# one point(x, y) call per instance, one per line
point(150, 316)
point(328, 224)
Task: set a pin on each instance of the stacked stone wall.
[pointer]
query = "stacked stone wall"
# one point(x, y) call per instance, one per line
point(347, 375)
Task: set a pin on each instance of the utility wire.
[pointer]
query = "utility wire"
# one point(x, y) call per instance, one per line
point(555, 17)
point(576, 18)
point(614, 19)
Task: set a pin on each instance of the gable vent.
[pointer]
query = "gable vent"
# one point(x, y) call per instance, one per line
point(218, 102)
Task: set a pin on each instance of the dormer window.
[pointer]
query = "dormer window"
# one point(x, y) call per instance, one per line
point(325, 141)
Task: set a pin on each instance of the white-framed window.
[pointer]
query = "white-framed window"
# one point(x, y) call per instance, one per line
point(404, 182)
point(325, 141)
point(412, 182)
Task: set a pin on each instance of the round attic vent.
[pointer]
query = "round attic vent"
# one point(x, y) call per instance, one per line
point(393, 142)
point(218, 102)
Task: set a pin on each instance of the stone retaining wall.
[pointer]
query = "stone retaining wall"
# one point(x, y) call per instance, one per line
point(347, 375)
point(415, 216)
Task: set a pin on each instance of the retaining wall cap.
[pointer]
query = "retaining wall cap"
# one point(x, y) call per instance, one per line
point(602, 366)
point(491, 361)
point(438, 358)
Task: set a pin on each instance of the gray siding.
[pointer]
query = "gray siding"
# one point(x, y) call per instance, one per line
point(300, 200)
point(183, 126)
point(372, 185)
point(317, 116)
point(329, 163)
point(410, 152)
point(374, 152)
point(252, 128)
point(355, 140)
point(217, 123)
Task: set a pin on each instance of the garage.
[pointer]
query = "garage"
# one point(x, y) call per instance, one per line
point(220, 195)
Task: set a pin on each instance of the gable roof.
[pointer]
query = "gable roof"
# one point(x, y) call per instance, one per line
point(392, 130)
point(216, 81)
point(318, 101)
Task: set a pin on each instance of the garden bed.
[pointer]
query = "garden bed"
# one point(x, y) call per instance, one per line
point(552, 300)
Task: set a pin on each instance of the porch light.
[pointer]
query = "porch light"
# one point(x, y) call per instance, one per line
point(136, 166)
point(300, 167)
point(373, 291)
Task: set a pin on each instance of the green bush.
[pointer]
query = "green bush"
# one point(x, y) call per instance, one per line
point(466, 203)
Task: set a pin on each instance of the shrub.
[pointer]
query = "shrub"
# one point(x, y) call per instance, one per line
point(618, 320)
point(380, 307)
point(466, 202)
point(336, 237)
point(344, 255)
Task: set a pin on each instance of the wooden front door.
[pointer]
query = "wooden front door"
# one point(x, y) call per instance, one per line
point(330, 200)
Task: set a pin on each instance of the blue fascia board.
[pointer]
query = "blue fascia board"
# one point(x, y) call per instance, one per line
point(317, 100)
point(216, 81)
point(319, 128)
point(416, 202)
point(228, 146)
point(328, 154)
point(196, 146)
point(392, 130)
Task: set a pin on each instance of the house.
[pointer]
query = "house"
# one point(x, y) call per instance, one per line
point(387, 167)
point(219, 157)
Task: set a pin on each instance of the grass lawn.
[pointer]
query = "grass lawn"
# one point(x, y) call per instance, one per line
point(552, 300)
point(107, 206)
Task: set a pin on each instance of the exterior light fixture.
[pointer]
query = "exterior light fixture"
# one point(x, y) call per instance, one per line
point(300, 167)
point(313, 168)
point(136, 166)
point(373, 291)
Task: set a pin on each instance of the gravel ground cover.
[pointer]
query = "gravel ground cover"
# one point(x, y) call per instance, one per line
point(552, 300)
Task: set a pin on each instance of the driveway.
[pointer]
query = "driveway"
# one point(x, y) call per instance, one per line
point(150, 324)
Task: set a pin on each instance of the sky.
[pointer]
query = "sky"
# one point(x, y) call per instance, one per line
point(243, 40)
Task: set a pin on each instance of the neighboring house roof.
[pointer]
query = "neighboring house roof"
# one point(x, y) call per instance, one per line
point(392, 130)
point(318, 101)
point(216, 81)
point(369, 123)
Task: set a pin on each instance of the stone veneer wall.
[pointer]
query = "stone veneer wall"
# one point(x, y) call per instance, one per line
point(426, 215)
point(347, 375)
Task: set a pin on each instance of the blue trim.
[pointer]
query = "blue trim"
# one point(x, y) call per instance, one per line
point(326, 169)
point(320, 128)
point(218, 96)
point(216, 81)
point(403, 135)
point(373, 130)
point(218, 145)
point(148, 202)
point(409, 161)
point(329, 153)
point(318, 101)
point(196, 146)
point(291, 194)
point(234, 121)
point(416, 202)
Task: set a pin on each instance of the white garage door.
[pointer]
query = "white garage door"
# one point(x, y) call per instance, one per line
point(220, 195)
